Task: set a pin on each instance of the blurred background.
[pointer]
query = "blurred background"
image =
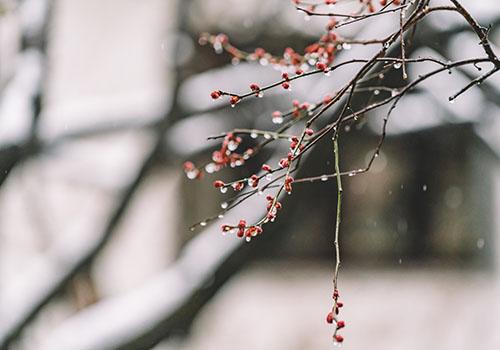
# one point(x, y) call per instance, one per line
point(102, 101)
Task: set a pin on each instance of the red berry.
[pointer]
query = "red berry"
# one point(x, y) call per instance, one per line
point(222, 38)
point(285, 76)
point(219, 184)
point(259, 52)
point(238, 186)
point(215, 94)
point(284, 163)
point(309, 132)
point(254, 87)
point(340, 324)
point(242, 224)
point(285, 85)
point(188, 166)
point(321, 66)
point(254, 181)
point(234, 100)
point(266, 167)
point(329, 318)
point(339, 338)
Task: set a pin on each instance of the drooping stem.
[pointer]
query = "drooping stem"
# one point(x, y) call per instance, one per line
point(339, 208)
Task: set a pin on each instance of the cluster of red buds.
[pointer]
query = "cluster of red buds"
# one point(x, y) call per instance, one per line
point(256, 88)
point(227, 154)
point(288, 184)
point(299, 108)
point(273, 205)
point(242, 230)
point(233, 99)
point(332, 318)
point(324, 50)
point(370, 7)
point(321, 51)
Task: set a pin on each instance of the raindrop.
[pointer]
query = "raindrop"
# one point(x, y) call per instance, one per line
point(267, 136)
point(394, 92)
point(397, 65)
point(218, 48)
point(248, 239)
point(269, 176)
point(254, 135)
point(352, 173)
point(224, 205)
point(223, 189)
point(203, 223)
point(192, 174)
point(260, 95)
point(346, 46)
point(324, 178)
point(220, 216)
point(347, 128)
point(260, 193)
point(424, 188)
point(277, 120)
point(232, 146)
point(376, 92)
point(210, 168)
